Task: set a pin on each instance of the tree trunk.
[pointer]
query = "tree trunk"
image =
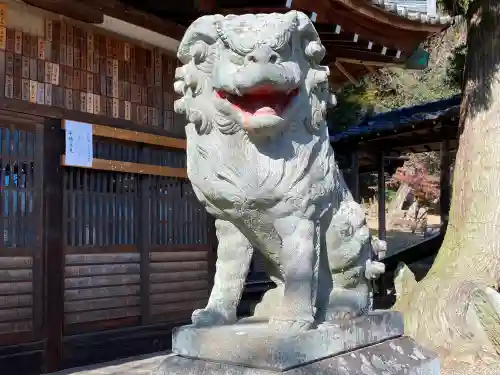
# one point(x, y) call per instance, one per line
point(455, 309)
point(394, 210)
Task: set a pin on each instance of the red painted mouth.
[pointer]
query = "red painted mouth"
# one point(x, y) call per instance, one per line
point(260, 102)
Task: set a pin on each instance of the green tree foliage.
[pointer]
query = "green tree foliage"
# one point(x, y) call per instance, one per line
point(392, 88)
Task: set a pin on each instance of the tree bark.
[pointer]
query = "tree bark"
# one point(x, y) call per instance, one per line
point(455, 309)
point(394, 210)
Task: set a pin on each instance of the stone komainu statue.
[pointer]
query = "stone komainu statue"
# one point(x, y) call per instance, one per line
point(260, 160)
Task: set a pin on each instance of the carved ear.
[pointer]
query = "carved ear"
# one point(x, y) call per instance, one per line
point(313, 48)
point(204, 31)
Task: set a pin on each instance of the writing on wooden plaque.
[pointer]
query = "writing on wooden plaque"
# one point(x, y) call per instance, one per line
point(9, 86)
point(33, 91)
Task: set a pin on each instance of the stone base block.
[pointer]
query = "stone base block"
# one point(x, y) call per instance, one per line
point(253, 344)
point(393, 357)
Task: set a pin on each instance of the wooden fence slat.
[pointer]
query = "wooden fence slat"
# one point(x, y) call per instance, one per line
point(97, 281)
point(179, 286)
point(178, 266)
point(96, 270)
point(178, 256)
point(82, 259)
point(90, 316)
point(112, 291)
point(9, 288)
point(178, 306)
point(178, 276)
point(101, 304)
point(157, 299)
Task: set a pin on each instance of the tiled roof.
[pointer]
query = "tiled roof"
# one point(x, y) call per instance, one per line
point(400, 118)
point(401, 10)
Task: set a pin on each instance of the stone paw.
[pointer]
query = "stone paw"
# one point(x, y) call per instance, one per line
point(336, 315)
point(290, 325)
point(209, 317)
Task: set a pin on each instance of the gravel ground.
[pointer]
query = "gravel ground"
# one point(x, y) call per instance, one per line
point(470, 369)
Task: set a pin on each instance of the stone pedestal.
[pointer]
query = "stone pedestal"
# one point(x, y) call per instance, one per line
point(369, 345)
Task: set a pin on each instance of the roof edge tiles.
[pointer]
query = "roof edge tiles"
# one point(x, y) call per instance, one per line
point(402, 11)
point(400, 118)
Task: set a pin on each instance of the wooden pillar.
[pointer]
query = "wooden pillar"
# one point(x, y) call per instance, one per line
point(381, 199)
point(355, 176)
point(53, 242)
point(445, 183)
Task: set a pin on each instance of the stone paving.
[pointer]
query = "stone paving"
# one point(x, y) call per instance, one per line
point(142, 365)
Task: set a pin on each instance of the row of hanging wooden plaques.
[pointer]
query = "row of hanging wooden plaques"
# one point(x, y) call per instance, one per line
point(84, 71)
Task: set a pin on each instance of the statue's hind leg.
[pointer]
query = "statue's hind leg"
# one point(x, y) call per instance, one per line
point(348, 250)
point(234, 254)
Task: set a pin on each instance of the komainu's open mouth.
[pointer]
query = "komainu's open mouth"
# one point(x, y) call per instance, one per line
point(262, 102)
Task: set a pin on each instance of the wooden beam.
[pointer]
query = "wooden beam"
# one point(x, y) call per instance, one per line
point(370, 69)
point(135, 136)
point(150, 21)
point(77, 10)
point(128, 167)
point(339, 66)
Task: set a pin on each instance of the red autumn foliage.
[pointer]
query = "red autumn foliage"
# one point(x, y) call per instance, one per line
point(425, 187)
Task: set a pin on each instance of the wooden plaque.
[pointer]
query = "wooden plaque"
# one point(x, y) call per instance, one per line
point(33, 46)
point(48, 94)
point(63, 33)
point(68, 98)
point(48, 30)
point(83, 101)
point(76, 101)
point(9, 44)
point(76, 79)
point(18, 42)
point(25, 89)
point(9, 63)
point(115, 69)
point(121, 109)
point(33, 91)
point(40, 93)
point(3, 38)
point(114, 88)
point(40, 70)
point(18, 65)
point(115, 110)
point(33, 69)
point(63, 54)
point(90, 102)
point(48, 50)
point(55, 74)
point(77, 58)
point(97, 104)
point(90, 42)
point(69, 55)
point(57, 96)
point(97, 84)
point(90, 62)
point(126, 51)
point(48, 72)
point(69, 35)
point(25, 72)
point(3, 14)
point(90, 82)
point(127, 110)
point(9, 86)
point(17, 88)
point(41, 48)
point(26, 44)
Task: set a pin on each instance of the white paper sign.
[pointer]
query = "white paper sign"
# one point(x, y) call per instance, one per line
point(79, 149)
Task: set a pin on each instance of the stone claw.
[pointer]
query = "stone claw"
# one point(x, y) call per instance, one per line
point(290, 325)
point(207, 318)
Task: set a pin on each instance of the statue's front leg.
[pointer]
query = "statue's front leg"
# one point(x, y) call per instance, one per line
point(298, 256)
point(234, 254)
